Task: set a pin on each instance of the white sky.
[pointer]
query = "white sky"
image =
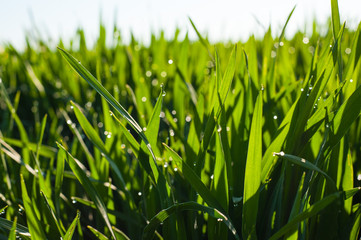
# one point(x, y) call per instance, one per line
point(220, 19)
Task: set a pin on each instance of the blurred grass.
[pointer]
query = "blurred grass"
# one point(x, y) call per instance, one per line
point(183, 139)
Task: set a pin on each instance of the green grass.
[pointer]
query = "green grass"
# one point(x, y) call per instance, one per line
point(183, 139)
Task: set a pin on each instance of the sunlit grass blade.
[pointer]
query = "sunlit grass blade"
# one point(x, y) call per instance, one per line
point(97, 233)
point(95, 138)
point(69, 233)
point(309, 212)
point(88, 187)
point(86, 75)
point(59, 176)
point(201, 39)
point(35, 227)
point(57, 222)
point(20, 229)
point(120, 234)
point(335, 18)
point(252, 179)
point(345, 116)
point(192, 206)
point(194, 180)
point(42, 129)
point(12, 234)
point(306, 164)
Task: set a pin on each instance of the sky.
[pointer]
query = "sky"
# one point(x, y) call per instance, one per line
point(220, 20)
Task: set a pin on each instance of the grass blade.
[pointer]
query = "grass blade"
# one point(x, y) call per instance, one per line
point(252, 179)
point(313, 210)
point(20, 229)
point(193, 206)
point(89, 188)
point(69, 233)
point(34, 224)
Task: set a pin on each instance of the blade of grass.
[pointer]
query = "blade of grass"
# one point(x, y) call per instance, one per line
point(97, 233)
point(252, 178)
point(88, 186)
point(192, 206)
point(309, 212)
point(70, 232)
point(306, 164)
point(20, 229)
point(34, 224)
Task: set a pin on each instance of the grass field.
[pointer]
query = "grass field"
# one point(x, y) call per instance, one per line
point(183, 139)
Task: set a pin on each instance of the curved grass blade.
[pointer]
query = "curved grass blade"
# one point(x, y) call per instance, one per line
point(96, 140)
point(194, 180)
point(193, 206)
point(88, 187)
point(12, 234)
point(69, 233)
point(20, 229)
point(52, 213)
point(92, 81)
point(252, 178)
point(98, 234)
point(35, 227)
point(313, 210)
point(120, 235)
point(306, 164)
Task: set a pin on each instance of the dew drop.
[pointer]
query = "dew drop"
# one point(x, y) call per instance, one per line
point(155, 82)
point(219, 129)
point(188, 118)
point(275, 117)
point(303, 160)
point(174, 112)
point(74, 201)
point(170, 61)
point(219, 220)
point(109, 135)
point(351, 80)
point(262, 87)
point(306, 40)
point(171, 132)
point(175, 169)
point(163, 74)
point(71, 107)
point(175, 120)
point(282, 153)
point(348, 51)
point(273, 54)
point(228, 129)
point(310, 87)
point(327, 126)
point(69, 122)
point(144, 129)
point(212, 176)
point(122, 146)
point(100, 124)
point(148, 73)
point(162, 115)
point(281, 44)
point(359, 177)
point(302, 89)
point(139, 193)
point(144, 99)
point(106, 133)
point(165, 165)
